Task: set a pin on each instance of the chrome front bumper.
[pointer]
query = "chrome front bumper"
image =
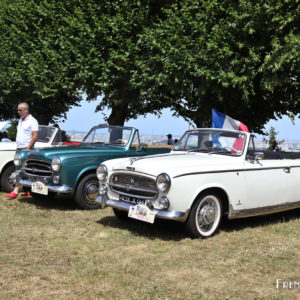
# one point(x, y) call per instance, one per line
point(161, 214)
point(60, 189)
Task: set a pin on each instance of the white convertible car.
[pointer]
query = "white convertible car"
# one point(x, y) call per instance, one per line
point(48, 136)
point(210, 173)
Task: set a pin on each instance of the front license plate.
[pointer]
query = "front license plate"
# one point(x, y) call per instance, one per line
point(141, 212)
point(39, 188)
point(131, 200)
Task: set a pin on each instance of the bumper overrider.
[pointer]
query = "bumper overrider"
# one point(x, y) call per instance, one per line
point(161, 214)
point(60, 189)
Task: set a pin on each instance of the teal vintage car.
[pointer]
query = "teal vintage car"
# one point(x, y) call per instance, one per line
point(72, 169)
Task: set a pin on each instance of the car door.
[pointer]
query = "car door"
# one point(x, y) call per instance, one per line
point(267, 183)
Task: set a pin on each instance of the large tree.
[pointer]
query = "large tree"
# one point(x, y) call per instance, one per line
point(32, 69)
point(54, 50)
point(240, 57)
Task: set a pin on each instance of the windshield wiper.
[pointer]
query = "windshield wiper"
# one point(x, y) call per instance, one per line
point(226, 152)
point(198, 150)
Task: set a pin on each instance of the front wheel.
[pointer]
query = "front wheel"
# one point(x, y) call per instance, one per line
point(7, 182)
point(87, 192)
point(205, 216)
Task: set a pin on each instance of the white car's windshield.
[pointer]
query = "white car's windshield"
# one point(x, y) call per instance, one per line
point(108, 135)
point(45, 134)
point(212, 142)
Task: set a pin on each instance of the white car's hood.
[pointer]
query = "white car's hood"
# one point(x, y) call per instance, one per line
point(12, 146)
point(179, 163)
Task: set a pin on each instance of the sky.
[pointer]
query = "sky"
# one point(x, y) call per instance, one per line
point(84, 117)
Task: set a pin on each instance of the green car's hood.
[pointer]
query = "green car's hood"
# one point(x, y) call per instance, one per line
point(82, 150)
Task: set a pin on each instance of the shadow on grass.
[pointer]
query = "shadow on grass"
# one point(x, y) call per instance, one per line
point(260, 221)
point(162, 229)
point(171, 230)
point(58, 203)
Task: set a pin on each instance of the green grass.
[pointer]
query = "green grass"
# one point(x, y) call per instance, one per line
point(52, 250)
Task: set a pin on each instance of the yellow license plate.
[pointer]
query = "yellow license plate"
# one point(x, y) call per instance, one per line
point(141, 212)
point(39, 188)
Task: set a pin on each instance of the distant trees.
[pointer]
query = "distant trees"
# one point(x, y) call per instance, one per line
point(241, 58)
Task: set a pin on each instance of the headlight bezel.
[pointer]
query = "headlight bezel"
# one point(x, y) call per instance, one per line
point(163, 182)
point(17, 160)
point(102, 172)
point(56, 164)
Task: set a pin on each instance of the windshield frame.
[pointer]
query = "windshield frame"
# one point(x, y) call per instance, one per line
point(51, 138)
point(131, 129)
point(210, 152)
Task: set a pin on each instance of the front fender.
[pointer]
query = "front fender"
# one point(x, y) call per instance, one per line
point(185, 190)
point(84, 171)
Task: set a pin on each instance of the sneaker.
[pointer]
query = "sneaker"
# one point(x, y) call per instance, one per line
point(12, 195)
point(26, 194)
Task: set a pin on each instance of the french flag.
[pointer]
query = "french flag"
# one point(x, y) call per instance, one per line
point(220, 120)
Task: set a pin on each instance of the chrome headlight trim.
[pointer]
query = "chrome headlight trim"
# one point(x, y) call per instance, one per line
point(55, 164)
point(102, 172)
point(163, 182)
point(163, 203)
point(17, 160)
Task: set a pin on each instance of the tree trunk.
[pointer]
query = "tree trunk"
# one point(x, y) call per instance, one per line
point(119, 113)
point(42, 119)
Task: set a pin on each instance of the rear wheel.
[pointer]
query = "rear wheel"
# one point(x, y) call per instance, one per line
point(205, 216)
point(120, 214)
point(87, 192)
point(7, 183)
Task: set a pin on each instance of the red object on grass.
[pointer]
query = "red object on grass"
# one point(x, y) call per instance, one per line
point(12, 195)
point(27, 194)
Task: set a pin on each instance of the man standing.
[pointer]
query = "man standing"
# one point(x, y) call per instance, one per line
point(27, 134)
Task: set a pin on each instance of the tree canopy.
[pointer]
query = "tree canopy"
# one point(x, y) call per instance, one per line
point(53, 51)
point(239, 57)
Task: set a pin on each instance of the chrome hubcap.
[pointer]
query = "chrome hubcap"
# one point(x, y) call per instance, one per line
point(91, 191)
point(206, 215)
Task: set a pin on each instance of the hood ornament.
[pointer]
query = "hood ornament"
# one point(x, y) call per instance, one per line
point(132, 160)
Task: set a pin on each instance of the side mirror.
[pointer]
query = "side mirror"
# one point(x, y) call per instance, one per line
point(255, 157)
point(258, 156)
point(143, 146)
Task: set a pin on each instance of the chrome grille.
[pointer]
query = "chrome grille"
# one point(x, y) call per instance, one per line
point(133, 185)
point(34, 167)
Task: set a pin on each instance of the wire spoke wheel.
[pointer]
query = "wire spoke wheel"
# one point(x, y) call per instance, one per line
point(205, 216)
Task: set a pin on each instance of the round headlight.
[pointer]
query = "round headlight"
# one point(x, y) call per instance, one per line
point(163, 182)
point(102, 172)
point(17, 160)
point(55, 164)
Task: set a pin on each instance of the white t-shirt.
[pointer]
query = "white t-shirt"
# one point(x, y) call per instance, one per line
point(24, 133)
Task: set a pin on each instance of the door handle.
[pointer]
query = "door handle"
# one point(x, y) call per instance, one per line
point(287, 170)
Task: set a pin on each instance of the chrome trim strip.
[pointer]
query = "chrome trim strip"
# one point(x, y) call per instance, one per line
point(61, 189)
point(132, 172)
point(236, 170)
point(161, 214)
point(119, 189)
point(244, 213)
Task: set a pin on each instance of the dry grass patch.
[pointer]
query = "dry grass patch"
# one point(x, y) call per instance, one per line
point(50, 249)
